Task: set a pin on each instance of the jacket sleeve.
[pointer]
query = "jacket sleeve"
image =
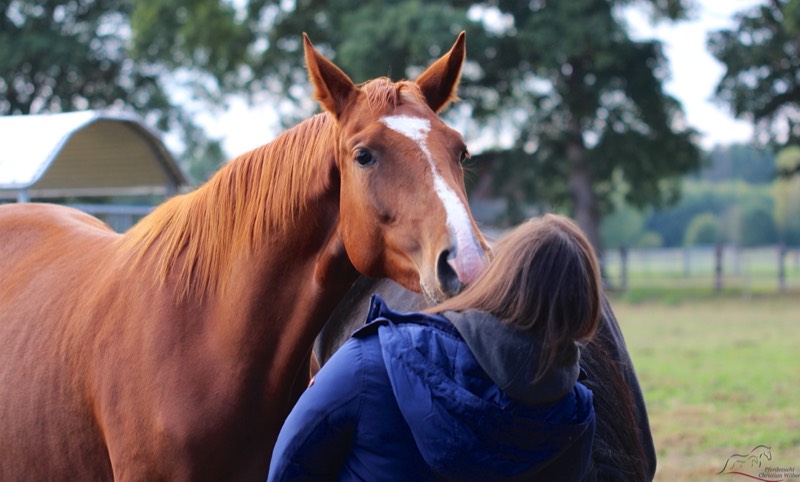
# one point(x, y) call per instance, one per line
point(317, 436)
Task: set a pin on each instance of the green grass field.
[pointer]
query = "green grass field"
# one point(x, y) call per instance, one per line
point(721, 375)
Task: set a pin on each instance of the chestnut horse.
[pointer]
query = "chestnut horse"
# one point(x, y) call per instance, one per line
point(623, 444)
point(174, 351)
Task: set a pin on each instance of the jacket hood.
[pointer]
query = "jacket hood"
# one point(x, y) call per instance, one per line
point(464, 424)
point(511, 358)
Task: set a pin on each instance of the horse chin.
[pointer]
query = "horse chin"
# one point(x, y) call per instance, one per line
point(433, 296)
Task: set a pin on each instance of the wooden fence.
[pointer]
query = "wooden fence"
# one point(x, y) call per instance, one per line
point(749, 270)
point(120, 217)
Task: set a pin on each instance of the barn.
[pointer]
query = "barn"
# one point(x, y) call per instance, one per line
point(89, 156)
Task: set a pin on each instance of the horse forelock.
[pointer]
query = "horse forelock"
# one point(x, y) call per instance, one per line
point(384, 94)
point(255, 196)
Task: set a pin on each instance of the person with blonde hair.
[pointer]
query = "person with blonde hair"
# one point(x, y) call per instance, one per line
point(484, 386)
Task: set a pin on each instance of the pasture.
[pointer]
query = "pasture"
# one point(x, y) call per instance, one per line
point(719, 373)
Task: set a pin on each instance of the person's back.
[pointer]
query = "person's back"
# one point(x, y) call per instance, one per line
point(413, 403)
point(458, 395)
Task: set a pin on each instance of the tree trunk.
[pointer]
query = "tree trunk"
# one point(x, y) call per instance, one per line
point(781, 266)
point(623, 258)
point(687, 261)
point(718, 267)
point(584, 202)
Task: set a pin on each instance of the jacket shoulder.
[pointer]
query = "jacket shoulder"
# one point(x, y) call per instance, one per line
point(379, 314)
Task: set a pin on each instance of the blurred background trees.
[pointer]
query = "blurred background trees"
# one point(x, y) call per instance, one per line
point(562, 108)
point(60, 56)
point(762, 57)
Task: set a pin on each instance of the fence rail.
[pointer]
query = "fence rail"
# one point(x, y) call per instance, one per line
point(119, 216)
point(747, 269)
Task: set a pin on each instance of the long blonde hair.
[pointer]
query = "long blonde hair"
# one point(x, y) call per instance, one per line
point(544, 279)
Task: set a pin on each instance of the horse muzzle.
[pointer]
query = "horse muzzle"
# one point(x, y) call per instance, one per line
point(455, 269)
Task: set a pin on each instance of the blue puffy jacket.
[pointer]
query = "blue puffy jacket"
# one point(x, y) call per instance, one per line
point(407, 399)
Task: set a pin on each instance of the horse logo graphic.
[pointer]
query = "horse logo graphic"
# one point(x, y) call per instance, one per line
point(741, 464)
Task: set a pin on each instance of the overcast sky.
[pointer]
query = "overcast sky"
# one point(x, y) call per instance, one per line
point(695, 73)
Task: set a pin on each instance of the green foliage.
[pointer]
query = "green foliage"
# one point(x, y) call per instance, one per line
point(622, 228)
point(562, 82)
point(727, 201)
point(200, 35)
point(739, 162)
point(761, 58)
point(649, 239)
point(367, 39)
point(757, 227)
point(788, 159)
point(395, 28)
point(704, 229)
point(787, 196)
point(62, 56)
point(610, 111)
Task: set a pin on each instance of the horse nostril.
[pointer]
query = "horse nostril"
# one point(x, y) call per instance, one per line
point(446, 275)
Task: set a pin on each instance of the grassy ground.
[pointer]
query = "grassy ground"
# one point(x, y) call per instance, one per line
point(721, 375)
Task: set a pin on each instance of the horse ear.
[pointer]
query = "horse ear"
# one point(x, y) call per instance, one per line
point(332, 88)
point(440, 81)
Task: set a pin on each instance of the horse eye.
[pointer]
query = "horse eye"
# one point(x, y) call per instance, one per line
point(464, 156)
point(363, 157)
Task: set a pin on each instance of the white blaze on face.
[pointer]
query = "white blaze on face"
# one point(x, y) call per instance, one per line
point(468, 260)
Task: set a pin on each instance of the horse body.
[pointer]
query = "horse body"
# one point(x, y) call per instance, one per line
point(125, 376)
point(175, 350)
point(41, 354)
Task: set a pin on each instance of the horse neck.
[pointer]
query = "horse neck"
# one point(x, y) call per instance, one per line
point(277, 297)
point(258, 199)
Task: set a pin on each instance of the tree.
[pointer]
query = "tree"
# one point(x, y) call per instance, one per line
point(787, 196)
point(704, 229)
point(757, 226)
point(728, 201)
point(60, 56)
point(762, 57)
point(787, 207)
point(568, 97)
point(368, 39)
point(621, 230)
point(609, 116)
point(745, 162)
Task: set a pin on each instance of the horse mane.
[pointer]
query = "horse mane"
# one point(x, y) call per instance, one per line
point(617, 450)
point(254, 197)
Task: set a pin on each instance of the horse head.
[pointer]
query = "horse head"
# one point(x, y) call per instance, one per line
point(403, 206)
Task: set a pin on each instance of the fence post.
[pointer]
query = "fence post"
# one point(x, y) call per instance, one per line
point(623, 258)
point(781, 266)
point(718, 267)
point(687, 255)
